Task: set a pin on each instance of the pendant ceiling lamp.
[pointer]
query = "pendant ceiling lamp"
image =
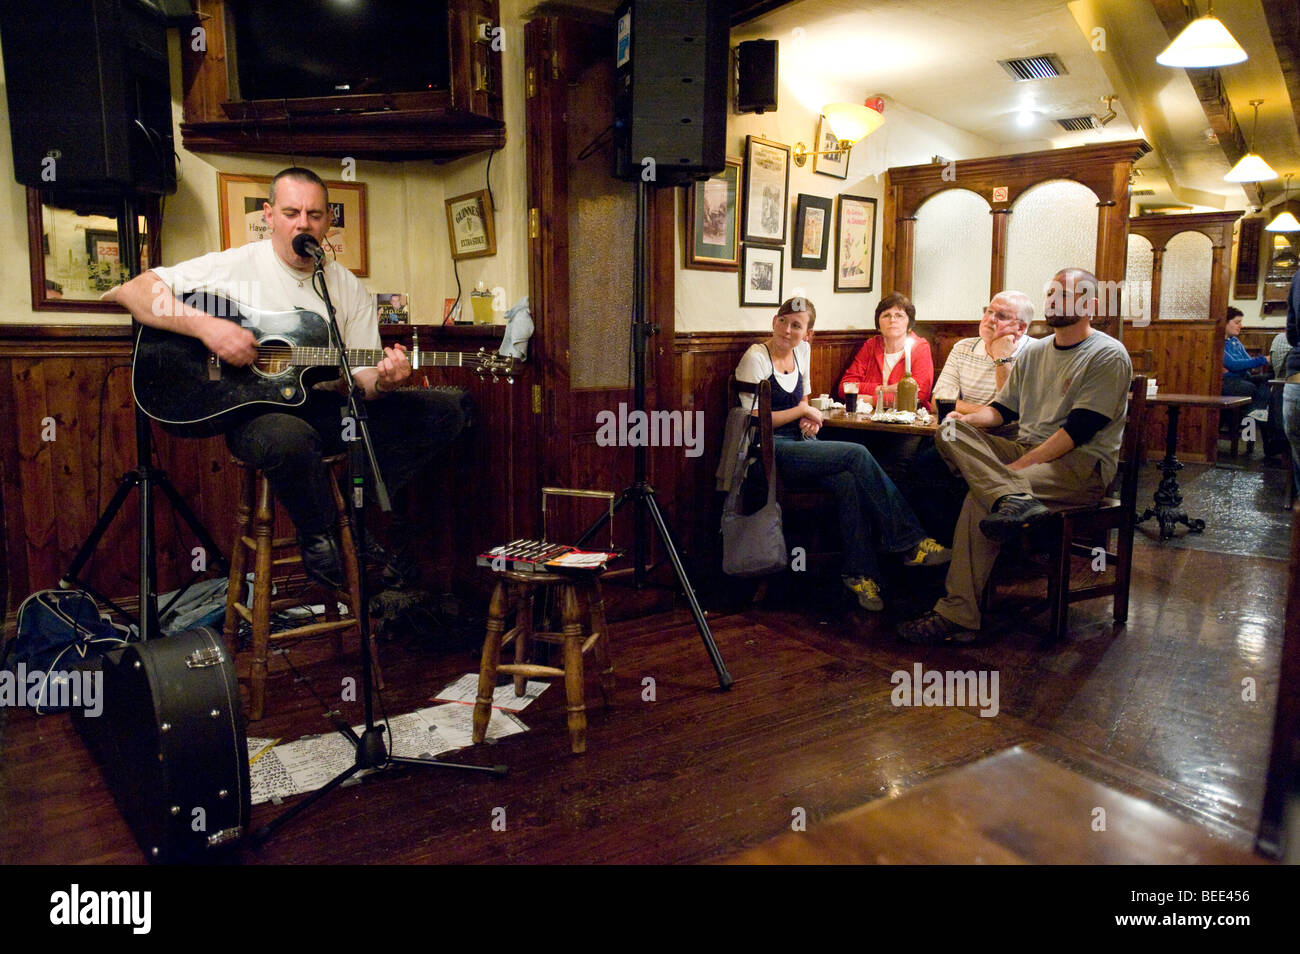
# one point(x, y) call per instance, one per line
point(1251, 168)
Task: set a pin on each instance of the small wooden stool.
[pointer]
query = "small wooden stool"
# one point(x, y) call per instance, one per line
point(255, 534)
point(580, 601)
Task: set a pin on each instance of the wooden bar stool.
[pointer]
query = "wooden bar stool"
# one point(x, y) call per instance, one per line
point(255, 536)
point(583, 630)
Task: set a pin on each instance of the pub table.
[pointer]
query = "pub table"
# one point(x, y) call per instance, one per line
point(861, 422)
point(1168, 497)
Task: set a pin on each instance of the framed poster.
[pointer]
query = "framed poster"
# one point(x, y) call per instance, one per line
point(767, 189)
point(242, 221)
point(470, 228)
point(760, 275)
point(1246, 281)
point(812, 232)
point(855, 243)
point(833, 163)
point(713, 221)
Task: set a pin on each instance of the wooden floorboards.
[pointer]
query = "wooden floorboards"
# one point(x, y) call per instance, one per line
point(694, 774)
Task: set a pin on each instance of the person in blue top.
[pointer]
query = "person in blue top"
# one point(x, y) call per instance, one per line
point(872, 513)
point(1238, 365)
point(1291, 390)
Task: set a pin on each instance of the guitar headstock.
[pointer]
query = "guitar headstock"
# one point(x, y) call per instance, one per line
point(497, 365)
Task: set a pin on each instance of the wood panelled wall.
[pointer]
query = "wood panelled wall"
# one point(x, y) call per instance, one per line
point(76, 389)
point(1186, 359)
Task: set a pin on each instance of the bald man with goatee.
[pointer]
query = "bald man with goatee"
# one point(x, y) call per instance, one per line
point(1067, 394)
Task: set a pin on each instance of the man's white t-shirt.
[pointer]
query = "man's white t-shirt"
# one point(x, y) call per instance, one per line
point(253, 275)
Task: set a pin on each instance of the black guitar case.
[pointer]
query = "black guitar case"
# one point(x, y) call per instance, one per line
point(171, 743)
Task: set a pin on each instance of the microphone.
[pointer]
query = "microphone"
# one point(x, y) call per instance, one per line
point(307, 247)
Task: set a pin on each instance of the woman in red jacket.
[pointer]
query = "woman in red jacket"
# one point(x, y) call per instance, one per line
point(881, 361)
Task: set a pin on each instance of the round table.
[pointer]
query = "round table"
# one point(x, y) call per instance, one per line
point(1168, 509)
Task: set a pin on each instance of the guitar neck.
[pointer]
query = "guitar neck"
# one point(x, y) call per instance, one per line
point(328, 357)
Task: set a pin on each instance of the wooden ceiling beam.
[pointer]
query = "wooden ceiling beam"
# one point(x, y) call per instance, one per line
point(1174, 16)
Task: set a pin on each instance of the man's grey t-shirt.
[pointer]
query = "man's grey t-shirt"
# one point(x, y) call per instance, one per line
point(1048, 382)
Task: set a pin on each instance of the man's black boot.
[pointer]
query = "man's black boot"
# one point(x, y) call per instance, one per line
point(320, 558)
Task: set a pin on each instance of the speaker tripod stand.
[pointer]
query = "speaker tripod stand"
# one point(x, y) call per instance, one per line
point(145, 478)
point(640, 494)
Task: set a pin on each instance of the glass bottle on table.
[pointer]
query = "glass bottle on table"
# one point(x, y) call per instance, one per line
point(906, 400)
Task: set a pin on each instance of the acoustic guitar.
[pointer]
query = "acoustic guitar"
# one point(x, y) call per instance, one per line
point(179, 383)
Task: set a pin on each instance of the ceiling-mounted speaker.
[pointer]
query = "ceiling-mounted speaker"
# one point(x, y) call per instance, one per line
point(756, 76)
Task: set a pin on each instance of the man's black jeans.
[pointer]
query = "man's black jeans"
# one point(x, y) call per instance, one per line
point(408, 427)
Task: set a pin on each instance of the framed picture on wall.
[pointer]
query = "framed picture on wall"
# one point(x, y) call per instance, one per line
point(760, 275)
point(767, 190)
point(470, 228)
point(240, 199)
point(832, 163)
point(855, 243)
point(812, 232)
point(713, 221)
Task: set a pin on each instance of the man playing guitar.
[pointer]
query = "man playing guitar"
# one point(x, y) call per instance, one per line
point(408, 427)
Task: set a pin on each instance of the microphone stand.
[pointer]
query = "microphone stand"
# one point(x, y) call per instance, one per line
point(371, 751)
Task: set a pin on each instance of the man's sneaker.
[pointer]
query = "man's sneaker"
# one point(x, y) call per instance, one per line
point(932, 629)
point(929, 552)
point(1012, 515)
point(867, 592)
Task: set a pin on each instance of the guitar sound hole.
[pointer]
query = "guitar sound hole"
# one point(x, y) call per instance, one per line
point(273, 366)
point(274, 357)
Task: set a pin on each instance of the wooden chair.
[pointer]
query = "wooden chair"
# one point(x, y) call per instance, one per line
point(814, 501)
point(1143, 361)
point(272, 557)
point(1077, 531)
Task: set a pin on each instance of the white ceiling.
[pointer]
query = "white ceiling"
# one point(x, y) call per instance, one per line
point(940, 57)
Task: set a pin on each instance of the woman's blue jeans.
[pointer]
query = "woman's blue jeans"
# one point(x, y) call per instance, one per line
point(873, 514)
point(1291, 416)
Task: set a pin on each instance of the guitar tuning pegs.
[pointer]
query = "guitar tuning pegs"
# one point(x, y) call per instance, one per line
point(510, 380)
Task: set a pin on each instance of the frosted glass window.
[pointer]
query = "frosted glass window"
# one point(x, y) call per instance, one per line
point(1185, 277)
point(1137, 278)
point(953, 253)
point(1053, 226)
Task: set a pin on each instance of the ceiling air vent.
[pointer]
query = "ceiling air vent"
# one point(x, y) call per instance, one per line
point(1143, 192)
point(1034, 67)
point(1077, 123)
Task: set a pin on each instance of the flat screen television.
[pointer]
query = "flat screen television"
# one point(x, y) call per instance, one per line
point(295, 49)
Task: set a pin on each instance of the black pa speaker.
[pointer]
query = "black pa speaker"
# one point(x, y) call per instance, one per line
point(89, 95)
point(670, 93)
point(756, 76)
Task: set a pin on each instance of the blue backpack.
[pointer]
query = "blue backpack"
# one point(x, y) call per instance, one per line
point(58, 631)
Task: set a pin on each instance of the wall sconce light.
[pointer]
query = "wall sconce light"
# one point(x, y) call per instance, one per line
point(1251, 168)
point(1204, 42)
point(1284, 221)
point(849, 123)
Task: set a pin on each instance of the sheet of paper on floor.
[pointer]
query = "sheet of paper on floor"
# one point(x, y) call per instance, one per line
point(465, 690)
point(307, 764)
point(455, 722)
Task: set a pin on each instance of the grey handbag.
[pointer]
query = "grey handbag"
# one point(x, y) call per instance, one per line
point(752, 545)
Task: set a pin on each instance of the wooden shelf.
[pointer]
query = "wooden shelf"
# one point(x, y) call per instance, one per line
point(441, 125)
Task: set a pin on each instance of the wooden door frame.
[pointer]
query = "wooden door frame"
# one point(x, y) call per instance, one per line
point(556, 51)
